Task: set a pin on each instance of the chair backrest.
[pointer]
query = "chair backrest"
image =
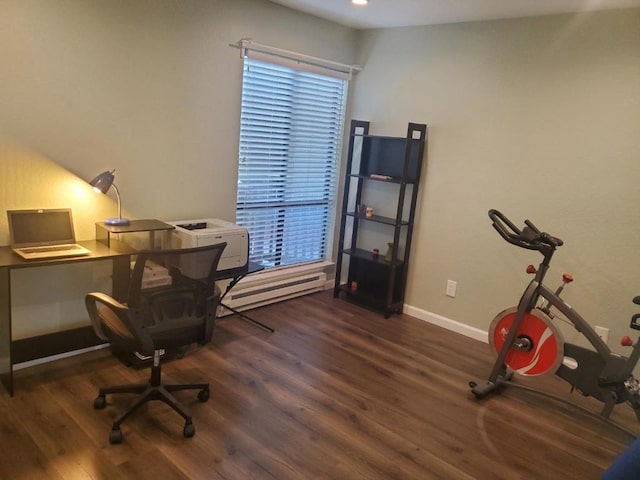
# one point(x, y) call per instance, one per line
point(193, 266)
point(187, 294)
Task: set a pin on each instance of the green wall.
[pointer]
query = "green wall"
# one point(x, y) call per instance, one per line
point(537, 117)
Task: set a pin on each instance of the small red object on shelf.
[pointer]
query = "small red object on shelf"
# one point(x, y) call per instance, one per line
point(626, 341)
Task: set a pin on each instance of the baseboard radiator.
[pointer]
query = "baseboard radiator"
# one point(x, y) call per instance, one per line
point(276, 286)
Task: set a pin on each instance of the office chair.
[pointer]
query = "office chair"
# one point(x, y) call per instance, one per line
point(168, 318)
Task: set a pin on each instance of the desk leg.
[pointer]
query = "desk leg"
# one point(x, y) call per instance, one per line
point(232, 284)
point(247, 318)
point(120, 274)
point(6, 364)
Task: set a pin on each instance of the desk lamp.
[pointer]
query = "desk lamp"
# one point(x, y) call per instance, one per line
point(101, 184)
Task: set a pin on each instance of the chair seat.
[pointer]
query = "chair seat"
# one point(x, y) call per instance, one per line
point(176, 333)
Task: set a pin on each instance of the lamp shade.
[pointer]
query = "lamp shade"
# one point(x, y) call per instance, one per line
point(101, 184)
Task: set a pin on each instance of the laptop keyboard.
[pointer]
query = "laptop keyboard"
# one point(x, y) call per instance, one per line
point(57, 248)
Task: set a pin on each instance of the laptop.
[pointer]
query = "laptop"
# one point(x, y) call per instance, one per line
point(43, 233)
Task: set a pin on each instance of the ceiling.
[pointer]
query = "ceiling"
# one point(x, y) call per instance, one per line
point(402, 13)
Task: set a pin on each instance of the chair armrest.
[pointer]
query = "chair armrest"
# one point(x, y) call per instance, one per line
point(121, 322)
point(93, 300)
point(107, 300)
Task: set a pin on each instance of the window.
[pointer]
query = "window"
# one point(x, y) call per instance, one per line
point(290, 141)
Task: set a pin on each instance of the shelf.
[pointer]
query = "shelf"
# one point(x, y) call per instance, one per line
point(378, 219)
point(397, 180)
point(397, 161)
point(104, 232)
point(390, 156)
point(382, 137)
point(147, 225)
point(369, 299)
point(369, 256)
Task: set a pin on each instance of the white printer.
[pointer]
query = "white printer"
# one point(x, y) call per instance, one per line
point(209, 231)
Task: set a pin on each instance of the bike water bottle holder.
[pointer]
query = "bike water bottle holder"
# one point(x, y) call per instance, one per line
point(635, 322)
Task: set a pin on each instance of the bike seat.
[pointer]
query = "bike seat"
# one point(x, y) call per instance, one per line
point(636, 300)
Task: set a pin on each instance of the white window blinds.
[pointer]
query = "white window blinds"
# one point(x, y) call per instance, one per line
point(290, 141)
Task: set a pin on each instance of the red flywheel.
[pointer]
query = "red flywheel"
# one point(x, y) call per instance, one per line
point(538, 346)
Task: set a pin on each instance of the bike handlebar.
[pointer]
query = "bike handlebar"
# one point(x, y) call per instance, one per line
point(530, 237)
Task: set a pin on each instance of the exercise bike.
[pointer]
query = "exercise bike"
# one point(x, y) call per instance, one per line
point(527, 341)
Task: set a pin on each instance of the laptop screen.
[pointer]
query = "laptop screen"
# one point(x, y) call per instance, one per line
point(29, 228)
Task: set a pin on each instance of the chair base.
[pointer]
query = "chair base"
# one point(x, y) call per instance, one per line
point(153, 390)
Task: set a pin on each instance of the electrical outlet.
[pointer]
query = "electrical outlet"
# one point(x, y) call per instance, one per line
point(603, 333)
point(451, 288)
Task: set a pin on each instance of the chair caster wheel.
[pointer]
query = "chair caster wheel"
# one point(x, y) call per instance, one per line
point(100, 402)
point(203, 395)
point(115, 436)
point(189, 430)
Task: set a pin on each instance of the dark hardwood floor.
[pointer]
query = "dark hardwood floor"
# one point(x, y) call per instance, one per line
point(337, 392)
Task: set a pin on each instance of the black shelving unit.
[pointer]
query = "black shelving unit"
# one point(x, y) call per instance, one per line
point(371, 279)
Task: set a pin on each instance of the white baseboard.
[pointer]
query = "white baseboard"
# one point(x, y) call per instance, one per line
point(447, 323)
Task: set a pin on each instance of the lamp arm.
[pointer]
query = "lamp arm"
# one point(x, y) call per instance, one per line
point(118, 197)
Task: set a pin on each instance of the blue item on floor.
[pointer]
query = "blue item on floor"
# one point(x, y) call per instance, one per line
point(626, 466)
